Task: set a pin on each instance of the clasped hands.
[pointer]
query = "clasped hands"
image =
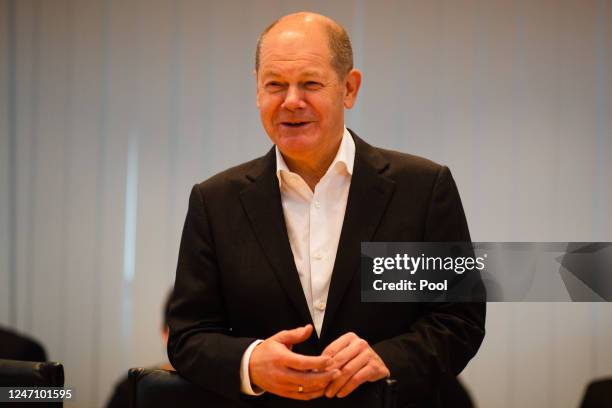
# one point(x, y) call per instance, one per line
point(344, 365)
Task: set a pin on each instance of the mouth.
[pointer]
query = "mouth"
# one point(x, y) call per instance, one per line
point(295, 124)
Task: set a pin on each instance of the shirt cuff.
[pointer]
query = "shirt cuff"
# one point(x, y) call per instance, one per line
point(245, 380)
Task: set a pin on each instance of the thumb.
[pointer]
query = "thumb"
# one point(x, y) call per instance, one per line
point(294, 336)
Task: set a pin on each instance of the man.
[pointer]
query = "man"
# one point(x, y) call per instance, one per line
point(267, 294)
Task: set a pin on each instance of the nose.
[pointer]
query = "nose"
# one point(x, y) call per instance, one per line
point(294, 99)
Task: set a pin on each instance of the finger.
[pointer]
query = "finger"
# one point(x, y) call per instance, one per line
point(347, 371)
point(338, 344)
point(366, 373)
point(294, 336)
point(303, 363)
point(349, 352)
point(304, 396)
point(291, 380)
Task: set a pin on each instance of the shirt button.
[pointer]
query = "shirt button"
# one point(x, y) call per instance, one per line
point(317, 204)
point(321, 306)
point(318, 256)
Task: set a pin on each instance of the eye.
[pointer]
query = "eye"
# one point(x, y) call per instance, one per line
point(273, 86)
point(313, 85)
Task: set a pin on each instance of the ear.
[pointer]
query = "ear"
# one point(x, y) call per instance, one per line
point(165, 334)
point(351, 85)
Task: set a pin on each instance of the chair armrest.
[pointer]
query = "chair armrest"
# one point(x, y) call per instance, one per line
point(16, 373)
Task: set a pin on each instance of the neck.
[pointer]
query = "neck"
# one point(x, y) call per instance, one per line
point(312, 169)
point(166, 366)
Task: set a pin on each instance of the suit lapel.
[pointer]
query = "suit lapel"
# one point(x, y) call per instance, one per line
point(369, 195)
point(262, 202)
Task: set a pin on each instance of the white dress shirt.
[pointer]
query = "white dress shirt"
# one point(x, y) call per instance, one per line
point(314, 222)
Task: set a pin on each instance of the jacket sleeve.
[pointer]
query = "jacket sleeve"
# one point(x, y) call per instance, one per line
point(441, 343)
point(201, 346)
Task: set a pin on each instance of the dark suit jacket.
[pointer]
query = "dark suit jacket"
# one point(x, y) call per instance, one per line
point(237, 281)
point(598, 394)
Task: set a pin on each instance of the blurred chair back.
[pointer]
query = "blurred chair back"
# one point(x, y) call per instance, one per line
point(152, 388)
point(15, 373)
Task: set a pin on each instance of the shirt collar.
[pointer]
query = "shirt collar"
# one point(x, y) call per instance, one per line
point(344, 155)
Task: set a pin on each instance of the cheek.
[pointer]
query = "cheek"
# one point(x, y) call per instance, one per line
point(328, 113)
point(328, 106)
point(268, 107)
point(265, 112)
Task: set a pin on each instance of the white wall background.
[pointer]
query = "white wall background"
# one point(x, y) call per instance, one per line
point(111, 110)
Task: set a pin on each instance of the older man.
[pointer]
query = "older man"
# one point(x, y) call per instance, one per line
point(267, 295)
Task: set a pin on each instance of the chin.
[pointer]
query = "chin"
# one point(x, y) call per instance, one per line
point(295, 150)
point(296, 142)
point(296, 147)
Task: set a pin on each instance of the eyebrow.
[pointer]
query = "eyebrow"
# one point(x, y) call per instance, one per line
point(270, 74)
point(309, 73)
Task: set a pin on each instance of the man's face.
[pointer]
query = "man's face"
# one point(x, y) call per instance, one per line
point(300, 96)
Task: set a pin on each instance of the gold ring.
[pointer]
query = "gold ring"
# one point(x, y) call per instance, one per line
point(300, 389)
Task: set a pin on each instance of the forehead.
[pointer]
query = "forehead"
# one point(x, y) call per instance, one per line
point(292, 50)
